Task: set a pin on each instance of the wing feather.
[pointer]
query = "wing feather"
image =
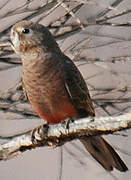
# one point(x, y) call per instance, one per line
point(77, 88)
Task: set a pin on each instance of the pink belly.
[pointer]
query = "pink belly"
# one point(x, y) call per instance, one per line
point(58, 114)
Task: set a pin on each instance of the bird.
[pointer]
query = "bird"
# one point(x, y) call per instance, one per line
point(56, 88)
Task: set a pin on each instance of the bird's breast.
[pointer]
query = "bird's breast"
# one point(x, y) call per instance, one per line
point(46, 92)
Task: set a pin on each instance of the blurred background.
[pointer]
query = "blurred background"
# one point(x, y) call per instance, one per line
point(96, 35)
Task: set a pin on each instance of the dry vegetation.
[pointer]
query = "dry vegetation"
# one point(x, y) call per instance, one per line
point(95, 34)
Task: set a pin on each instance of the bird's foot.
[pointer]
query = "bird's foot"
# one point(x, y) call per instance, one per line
point(68, 121)
point(37, 134)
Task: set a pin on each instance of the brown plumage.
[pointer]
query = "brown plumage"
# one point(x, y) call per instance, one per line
point(55, 87)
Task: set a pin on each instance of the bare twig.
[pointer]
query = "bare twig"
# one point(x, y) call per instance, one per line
point(71, 13)
point(60, 164)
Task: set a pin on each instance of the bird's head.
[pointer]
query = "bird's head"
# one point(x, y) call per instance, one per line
point(28, 38)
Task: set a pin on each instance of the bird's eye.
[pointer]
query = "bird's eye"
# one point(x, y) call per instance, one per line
point(25, 31)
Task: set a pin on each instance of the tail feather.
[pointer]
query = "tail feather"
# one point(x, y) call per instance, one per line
point(104, 153)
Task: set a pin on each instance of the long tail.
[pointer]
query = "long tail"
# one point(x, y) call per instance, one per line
point(104, 153)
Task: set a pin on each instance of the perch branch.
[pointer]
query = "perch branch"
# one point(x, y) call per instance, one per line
point(59, 134)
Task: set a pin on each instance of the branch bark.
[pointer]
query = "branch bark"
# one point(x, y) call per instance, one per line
point(59, 134)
